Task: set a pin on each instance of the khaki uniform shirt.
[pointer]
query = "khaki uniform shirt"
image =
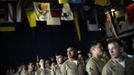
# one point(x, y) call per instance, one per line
point(94, 66)
point(23, 72)
point(40, 72)
point(56, 70)
point(114, 68)
point(47, 71)
point(70, 68)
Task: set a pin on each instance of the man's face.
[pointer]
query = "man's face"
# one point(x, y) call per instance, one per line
point(70, 53)
point(98, 49)
point(80, 57)
point(47, 63)
point(30, 66)
point(114, 50)
point(41, 62)
point(59, 59)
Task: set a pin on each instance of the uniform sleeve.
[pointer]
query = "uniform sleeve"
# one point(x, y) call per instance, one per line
point(53, 71)
point(92, 69)
point(106, 71)
point(23, 72)
point(63, 69)
point(36, 72)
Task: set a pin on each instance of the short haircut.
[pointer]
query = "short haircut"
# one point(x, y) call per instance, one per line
point(59, 53)
point(94, 43)
point(116, 41)
point(72, 46)
point(82, 53)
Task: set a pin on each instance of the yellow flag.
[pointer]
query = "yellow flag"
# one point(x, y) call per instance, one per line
point(67, 13)
point(7, 28)
point(42, 10)
point(3, 20)
point(31, 17)
point(77, 25)
point(102, 2)
point(54, 21)
point(63, 1)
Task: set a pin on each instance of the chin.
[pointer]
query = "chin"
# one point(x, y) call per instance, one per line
point(114, 57)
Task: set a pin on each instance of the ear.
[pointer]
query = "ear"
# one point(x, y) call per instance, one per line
point(121, 49)
point(91, 50)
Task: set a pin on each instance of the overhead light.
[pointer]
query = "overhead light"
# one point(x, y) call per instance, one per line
point(100, 29)
point(117, 13)
point(112, 10)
